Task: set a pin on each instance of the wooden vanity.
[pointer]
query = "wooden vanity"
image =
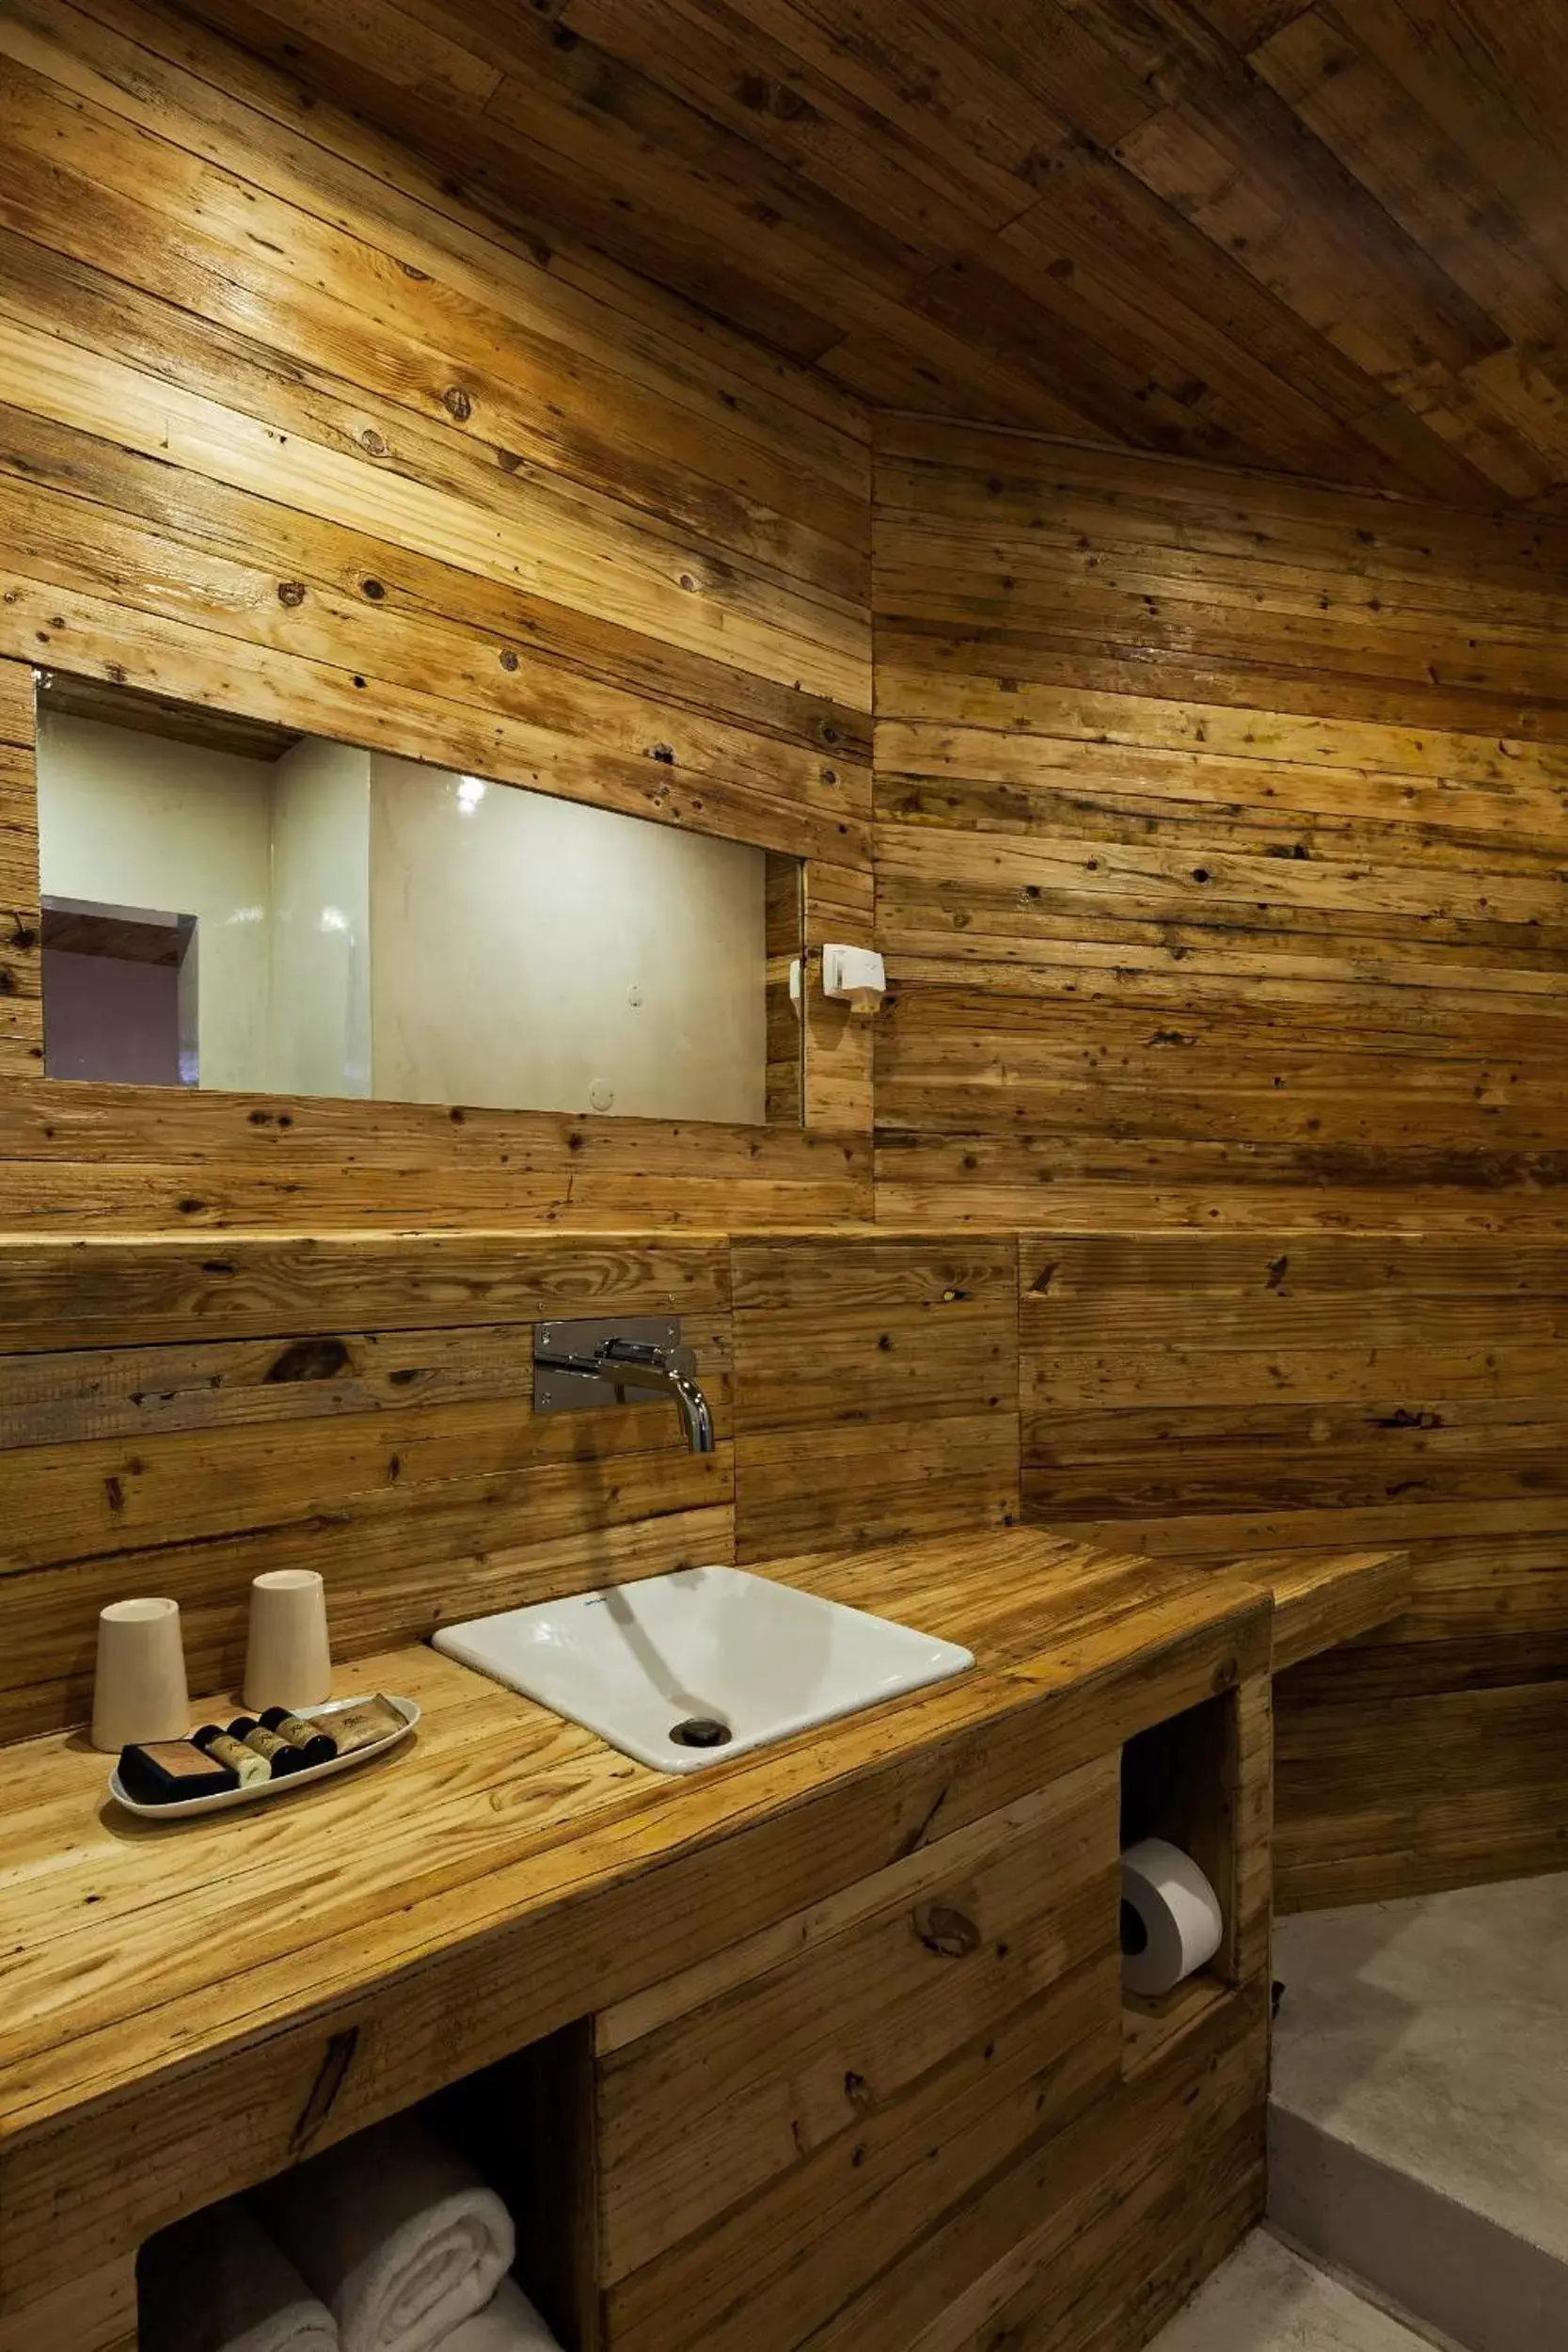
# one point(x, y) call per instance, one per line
point(823, 2047)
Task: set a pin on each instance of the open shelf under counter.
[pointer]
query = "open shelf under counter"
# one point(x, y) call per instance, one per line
point(320, 1965)
point(1202, 1779)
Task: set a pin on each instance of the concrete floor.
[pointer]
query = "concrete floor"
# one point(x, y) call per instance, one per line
point(1267, 2299)
point(1433, 2035)
point(1418, 2122)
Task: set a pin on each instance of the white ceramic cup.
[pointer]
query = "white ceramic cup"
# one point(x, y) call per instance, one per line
point(288, 1659)
point(139, 1690)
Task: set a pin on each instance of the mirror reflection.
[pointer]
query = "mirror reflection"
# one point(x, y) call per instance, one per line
point(229, 904)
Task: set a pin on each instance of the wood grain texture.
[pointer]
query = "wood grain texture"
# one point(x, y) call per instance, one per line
point(21, 926)
point(95, 2310)
point(294, 434)
point(1214, 830)
point(1322, 1601)
point(125, 1160)
point(878, 1388)
point(179, 1418)
point(1205, 1397)
point(791, 2108)
point(1095, 2237)
point(174, 1420)
point(525, 1875)
point(1319, 238)
point(837, 2218)
point(1219, 827)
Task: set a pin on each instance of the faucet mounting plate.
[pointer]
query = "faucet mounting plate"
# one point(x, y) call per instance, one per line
point(570, 1392)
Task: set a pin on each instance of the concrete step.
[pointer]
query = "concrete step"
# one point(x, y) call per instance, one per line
point(1418, 2124)
point(1268, 2298)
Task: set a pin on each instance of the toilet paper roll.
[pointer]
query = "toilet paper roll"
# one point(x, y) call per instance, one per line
point(1175, 1923)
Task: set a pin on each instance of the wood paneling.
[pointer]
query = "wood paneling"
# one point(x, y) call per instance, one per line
point(1322, 1600)
point(877, 1385)
point(1093, 2239)
point(113, 1160)
point(508, 1875)
point(1220, 827)
point(177, 1423)
point(174, 722)
point(1217, 843)
point(177, 1419)
point(289, 431)
point(1208, 1398)
point(21, 1014)
point(96, 2311)
point(768, 2153)
point(1321, 238)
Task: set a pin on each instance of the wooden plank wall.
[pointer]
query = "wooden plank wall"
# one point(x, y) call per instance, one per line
point(1221, 830)
point(1220, 824)
point(20, 952)
point(1207, 1397)
point(876, 1390)
point(288, 428)
point(175, 1420)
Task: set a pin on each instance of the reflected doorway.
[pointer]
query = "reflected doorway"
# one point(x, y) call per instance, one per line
point(120, 993)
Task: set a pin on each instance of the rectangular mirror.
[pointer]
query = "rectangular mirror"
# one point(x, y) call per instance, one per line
point(229, 904)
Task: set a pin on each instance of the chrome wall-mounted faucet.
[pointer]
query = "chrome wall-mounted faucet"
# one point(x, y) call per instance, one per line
point(618, 1359)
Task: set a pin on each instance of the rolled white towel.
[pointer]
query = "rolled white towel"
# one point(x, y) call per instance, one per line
point(401, 2239)
point(217, 2283)
point(508, 2323)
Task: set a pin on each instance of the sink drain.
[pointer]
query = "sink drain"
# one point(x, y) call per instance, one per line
point(701, 1731)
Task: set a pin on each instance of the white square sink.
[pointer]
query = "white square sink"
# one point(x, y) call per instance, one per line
point(688, 1669)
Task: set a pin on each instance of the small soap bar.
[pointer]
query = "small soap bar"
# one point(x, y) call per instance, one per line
point(163, 1771)
point(361, 1727)
point(281, 1758)
point(315, 1745)
point(244, 1763)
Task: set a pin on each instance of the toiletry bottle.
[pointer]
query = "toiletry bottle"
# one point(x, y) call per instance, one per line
point(314, 1745)
point(281, 1759)
point(246, 1765)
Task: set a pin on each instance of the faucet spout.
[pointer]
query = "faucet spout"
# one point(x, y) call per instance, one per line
point(639, 1364)
point(695, 1412)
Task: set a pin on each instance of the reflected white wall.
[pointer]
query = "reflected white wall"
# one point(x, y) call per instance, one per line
point(319, 920)
point(367, 925)
point(132, 819)
point(531, 951)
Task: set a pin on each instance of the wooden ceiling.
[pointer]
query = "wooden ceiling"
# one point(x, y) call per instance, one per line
point(1329, 240)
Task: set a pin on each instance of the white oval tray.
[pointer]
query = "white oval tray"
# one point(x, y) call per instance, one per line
point(219, 1803)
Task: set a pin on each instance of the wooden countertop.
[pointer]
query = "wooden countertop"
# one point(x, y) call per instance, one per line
point(334, 1956)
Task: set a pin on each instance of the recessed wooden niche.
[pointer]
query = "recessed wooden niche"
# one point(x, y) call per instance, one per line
point(1179, 1781)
